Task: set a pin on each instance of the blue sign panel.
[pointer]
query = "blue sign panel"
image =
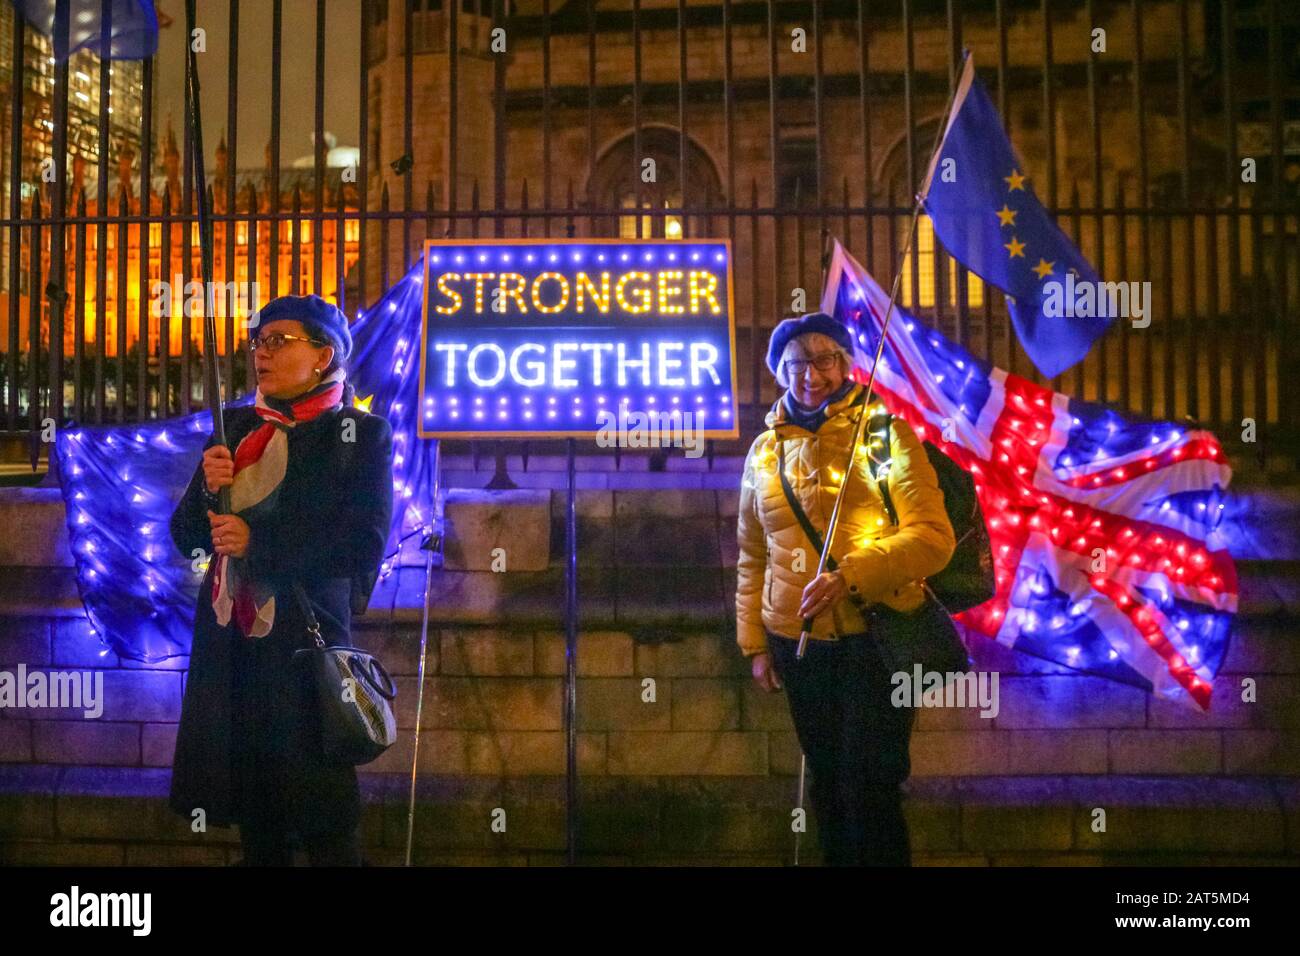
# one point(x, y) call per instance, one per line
point(552, 337)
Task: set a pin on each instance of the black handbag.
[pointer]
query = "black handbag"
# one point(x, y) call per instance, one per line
point(353, 692)
point(925, 636)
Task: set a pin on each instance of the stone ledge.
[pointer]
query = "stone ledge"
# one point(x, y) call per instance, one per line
point(515, 598)
point(40, 592)
point(36, 531)
point(481, 522)
point(991, 820)
point(1269, 595)
point(478, 521)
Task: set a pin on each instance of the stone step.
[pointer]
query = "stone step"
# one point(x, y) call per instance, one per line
point(505, 661)
point(700, 480)
point(630, 596)
point(108, 816)
point(669, 459)
point(1261, 524)
point(35, 530)
point(626, 597)
point(527, 523)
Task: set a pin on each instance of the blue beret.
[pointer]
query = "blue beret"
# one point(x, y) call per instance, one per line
point(322, 319)
point(812, 322)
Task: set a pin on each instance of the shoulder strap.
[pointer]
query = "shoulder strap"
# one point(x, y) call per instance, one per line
point(882, 481)
point(313, 625)
point(883, 428)
point(800, 515)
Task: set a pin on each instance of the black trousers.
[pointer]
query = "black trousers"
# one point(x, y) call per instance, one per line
point(856, 743)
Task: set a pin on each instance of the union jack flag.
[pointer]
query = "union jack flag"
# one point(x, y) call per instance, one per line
point(1103, 526)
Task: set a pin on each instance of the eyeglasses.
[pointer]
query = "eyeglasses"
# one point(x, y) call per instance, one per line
point(275, 341)
point(823, 363)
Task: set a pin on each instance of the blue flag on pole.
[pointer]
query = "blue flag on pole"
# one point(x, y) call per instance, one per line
point(987, 216)
point(133, 27)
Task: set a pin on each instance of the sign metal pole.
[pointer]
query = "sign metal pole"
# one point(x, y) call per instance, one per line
point(535, 341)
point(571, 660)
point(432, 546)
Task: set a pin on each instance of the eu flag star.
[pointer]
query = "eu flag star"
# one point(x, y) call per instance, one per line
point(1015, 180)
point(362, 403)
point(1016, 247)
point(1006, 216)
point(1044, 269)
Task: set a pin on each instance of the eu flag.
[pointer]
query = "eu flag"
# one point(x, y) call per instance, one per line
point(985, 212)
point(132, 27)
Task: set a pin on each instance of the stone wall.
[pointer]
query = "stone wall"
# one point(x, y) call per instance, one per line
point(707, 770)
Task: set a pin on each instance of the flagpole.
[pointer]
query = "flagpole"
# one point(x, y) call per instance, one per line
point(212, 378)
point(803, 757)
point(833, 523)
point(55, 290)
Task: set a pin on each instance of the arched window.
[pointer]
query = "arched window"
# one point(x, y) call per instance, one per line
point(924, 248)
point(614, 185)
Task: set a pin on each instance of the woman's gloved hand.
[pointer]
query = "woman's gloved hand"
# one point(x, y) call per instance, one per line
point(764, 673)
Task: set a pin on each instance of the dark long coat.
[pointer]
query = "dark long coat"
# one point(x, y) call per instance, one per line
point(248, 746)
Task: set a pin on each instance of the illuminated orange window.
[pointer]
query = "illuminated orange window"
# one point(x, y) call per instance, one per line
point(924, 249)
point(672, 225)
point(286, 230)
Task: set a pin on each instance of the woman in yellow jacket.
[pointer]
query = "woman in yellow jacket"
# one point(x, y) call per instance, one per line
point(856, 742)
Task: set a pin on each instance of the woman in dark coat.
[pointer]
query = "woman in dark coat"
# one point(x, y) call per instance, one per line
point(312, 495)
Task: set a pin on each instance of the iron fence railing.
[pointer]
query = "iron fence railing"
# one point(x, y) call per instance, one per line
point(768, 149)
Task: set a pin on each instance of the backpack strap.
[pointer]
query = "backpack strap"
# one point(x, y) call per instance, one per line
point(880, 431)
point(309, 616)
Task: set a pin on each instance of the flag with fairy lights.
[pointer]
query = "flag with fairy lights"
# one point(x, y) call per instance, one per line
point(984, 210)
point(121, 483)
point(1105, 528)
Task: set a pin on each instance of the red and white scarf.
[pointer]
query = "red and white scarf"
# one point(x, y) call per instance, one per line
point(260, 461)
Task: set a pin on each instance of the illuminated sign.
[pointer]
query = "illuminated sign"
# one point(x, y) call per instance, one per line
point(552, 337)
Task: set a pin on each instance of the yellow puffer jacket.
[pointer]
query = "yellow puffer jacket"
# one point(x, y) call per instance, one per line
point(880, 563)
